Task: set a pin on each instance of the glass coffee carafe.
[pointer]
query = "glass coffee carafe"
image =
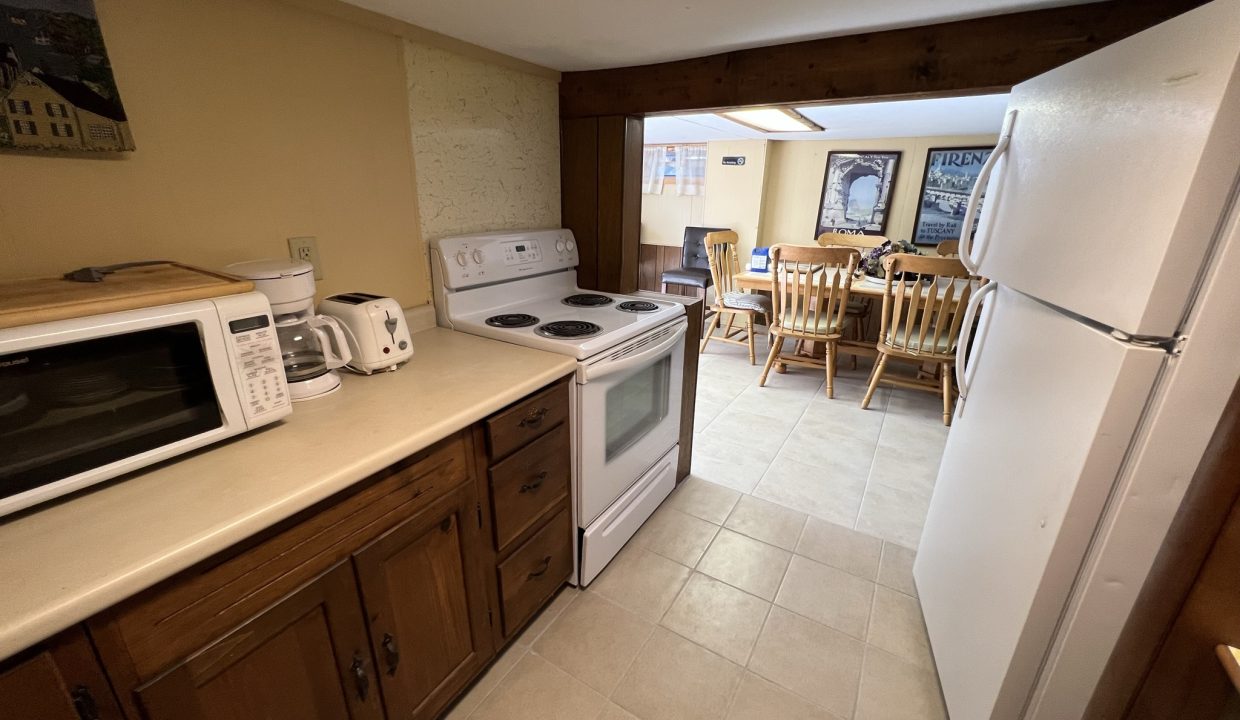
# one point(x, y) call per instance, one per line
point(312, 346)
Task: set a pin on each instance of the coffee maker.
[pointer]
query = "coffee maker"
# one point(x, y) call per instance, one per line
point(312, 346)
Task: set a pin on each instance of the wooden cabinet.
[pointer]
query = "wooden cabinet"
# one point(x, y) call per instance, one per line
point(529, 461)
point(58, 680)
point(305, 658)
point(425, 596)
point(381, 602)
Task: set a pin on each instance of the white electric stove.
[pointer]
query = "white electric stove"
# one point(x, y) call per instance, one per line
point(521, 287)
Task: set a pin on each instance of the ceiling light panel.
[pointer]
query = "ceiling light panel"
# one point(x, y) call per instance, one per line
point(772, 120)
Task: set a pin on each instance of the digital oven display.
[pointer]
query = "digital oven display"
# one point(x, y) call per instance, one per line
point(522, 252)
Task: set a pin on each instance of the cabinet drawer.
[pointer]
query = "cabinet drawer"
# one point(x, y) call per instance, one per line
point(161, 626)
point(513, 428)
point(528, 484)
point(535, 571)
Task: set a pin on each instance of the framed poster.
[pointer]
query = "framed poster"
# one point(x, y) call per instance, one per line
point(57, 91)
point(950, 176)
point(856, 192)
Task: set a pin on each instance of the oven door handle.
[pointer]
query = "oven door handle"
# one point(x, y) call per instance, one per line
point(603, 369)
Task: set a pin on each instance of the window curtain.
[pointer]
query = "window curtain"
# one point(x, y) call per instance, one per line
point(690, 169)
point(653, 159)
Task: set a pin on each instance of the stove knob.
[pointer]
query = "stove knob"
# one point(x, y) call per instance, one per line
point(559, 245)
point(571, 245)
point(461, 258)
point(478, 256)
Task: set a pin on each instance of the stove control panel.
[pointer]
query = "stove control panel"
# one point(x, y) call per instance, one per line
point(468, 260)
point(518, 252)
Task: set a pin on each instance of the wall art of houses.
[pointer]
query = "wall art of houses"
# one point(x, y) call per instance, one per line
point(950, 176)
point(57, 91)
point(856, 192)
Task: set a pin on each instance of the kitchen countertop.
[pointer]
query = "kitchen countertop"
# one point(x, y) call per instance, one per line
point(65, 562)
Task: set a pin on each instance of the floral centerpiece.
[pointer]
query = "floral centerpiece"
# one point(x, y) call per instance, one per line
point(871, 262)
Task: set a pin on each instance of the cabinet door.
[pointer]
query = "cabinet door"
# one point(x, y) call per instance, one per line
point(424, 588)
point(59, 680)
point(305, 658)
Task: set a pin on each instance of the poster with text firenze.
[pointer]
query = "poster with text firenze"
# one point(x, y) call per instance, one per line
point(949, 178)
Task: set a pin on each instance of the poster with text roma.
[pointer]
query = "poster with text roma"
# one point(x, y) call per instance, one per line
point(949, 178)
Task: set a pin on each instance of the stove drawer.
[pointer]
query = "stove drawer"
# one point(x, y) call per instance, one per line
point(528, 484)
point(535, 571)
point(515, 427)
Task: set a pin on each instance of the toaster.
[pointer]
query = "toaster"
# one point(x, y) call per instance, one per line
point(375, 328)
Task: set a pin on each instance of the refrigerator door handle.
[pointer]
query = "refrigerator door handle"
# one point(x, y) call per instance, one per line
point(975, 197)
point(966, 334)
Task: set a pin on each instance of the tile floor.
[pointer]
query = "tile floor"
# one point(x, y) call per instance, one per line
point(774, 584)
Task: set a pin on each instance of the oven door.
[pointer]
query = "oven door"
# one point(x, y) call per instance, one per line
point(628, 408)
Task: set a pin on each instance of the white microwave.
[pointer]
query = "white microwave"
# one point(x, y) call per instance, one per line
point(88, 399)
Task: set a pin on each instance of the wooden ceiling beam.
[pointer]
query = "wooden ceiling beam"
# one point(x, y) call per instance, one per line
point(989, 54)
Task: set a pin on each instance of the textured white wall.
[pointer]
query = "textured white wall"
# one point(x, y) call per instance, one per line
point(486, 143)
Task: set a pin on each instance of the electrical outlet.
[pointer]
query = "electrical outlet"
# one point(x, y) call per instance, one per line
point(306, 248)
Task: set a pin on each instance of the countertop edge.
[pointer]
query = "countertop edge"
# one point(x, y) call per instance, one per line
point(85, 601)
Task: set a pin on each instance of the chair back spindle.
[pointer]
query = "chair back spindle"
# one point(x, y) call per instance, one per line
point(917, 319)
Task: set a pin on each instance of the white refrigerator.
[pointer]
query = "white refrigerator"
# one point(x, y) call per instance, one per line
point(1108, 342)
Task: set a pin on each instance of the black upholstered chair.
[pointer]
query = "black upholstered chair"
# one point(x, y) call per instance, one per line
point(694, 269)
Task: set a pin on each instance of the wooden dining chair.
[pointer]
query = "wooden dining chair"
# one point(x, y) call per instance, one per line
point(859, 309)
point(810, 299)
point(724, 265)
point(921, 322)
point(948, 248)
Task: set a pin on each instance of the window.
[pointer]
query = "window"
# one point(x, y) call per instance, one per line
point(102, 132)
point(56, 109)
point(25, 127)
point(62, 130)
point(20, 107)
point(680, 166)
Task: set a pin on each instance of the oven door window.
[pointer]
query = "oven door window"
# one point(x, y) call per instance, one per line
point(636, 405)
point(71, 408)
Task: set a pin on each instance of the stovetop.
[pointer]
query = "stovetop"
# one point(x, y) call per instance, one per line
point(544, 309)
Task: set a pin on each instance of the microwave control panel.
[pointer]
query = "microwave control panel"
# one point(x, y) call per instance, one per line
point(254, 344)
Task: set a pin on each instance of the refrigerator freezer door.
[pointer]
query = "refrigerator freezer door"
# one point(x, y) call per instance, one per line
point(1118, 170)
point(1031, 458)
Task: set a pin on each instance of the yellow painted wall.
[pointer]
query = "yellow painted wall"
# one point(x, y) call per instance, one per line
point(258, 120)
point(795, 171)
point(665, 216)
point(734, 193)
point(486, 144)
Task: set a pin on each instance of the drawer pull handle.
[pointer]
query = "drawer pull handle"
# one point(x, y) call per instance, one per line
point(539, 479)
point(446, 525)
point(391, 653)
point(542, 569)
point(534, 418)
point(84, 703)
point(360, 678)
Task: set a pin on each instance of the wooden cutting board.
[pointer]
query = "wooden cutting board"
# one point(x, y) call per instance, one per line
point(38, 300)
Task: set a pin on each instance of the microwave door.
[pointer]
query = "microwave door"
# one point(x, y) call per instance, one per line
point(81, 402)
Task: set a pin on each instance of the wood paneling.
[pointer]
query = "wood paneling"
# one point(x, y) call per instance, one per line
point(653, 260)
point(989, 54)
point(579, 192)
point(1186, 672)
point(694, 311)
point(58, 680)
point(600, 174)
